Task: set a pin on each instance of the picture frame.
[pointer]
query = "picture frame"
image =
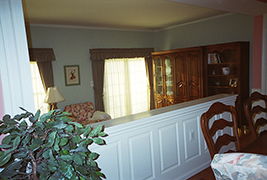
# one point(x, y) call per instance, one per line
point(72, 75)
point(233, 82)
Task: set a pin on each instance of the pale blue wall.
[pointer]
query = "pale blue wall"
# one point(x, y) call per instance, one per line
point(227, 28)
point(71, 45)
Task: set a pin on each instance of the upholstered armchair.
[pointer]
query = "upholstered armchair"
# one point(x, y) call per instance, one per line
point(85, 113)
point(239, 166)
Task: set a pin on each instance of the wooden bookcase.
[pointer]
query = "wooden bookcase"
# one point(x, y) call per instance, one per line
point(235, 57)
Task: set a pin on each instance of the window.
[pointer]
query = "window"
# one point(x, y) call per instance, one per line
point(38, 89)
point(126, 89)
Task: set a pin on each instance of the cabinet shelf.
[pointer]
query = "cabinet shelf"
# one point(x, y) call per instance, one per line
point(221, 87)
point(221, 75)
point(222, 64)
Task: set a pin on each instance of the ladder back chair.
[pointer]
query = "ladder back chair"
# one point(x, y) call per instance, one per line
point(218, 126)
point(255, 108)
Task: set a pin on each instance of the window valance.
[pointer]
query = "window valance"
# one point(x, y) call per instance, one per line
point(101, 54)
point(42, 54)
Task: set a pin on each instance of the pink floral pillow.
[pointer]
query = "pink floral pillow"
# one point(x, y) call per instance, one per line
point(81, 111)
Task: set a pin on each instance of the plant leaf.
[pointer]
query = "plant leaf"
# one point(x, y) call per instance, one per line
point(93, 156)
point(66, 157)
point(87, 131)
point(34, 147)
point(37, 141)
point(23, 126)
point(47, 153)
point(16, 142)
point(4, 158)
point(10, 170)
point(64, 152)
point(63, 141)
point(60, 125)
point(56, 145)
point(102, 134)
point(77, 159)
point(6, 146)
point(26, 140)
point(45, 117)
point(53, 162)
point(77, 139)
point(86, 142)
point(76, 124)
point(95, 131)
point(8, 129)
point(52, 168)
point(69, 128)
point(66, 169)
point(50, 124)
point(35, 117)
point(10, 121)
point(98, 141)
point(40, 125)
point(51, 139)
point(21, 154)
point(7, 139)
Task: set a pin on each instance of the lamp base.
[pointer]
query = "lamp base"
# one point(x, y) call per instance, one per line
point(54, 106)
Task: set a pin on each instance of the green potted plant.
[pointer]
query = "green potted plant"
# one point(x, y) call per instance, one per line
point(50, 147)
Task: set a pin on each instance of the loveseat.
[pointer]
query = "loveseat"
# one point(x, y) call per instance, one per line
point(85, 113)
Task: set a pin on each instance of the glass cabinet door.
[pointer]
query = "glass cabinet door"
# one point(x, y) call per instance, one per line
point(158, 75)
point(168, 75)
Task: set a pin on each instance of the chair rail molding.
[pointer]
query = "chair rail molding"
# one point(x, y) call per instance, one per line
point(164, 143)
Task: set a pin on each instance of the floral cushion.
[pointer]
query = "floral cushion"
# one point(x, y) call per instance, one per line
point(239, 166)
point(81, 111)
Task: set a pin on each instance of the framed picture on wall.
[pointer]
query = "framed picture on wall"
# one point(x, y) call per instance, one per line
point(72, 75)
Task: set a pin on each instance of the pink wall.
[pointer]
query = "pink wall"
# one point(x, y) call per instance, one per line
point(257, 52)
point(2, 110)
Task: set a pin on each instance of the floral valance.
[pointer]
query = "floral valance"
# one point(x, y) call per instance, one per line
point(101, 54)
point(41, 54)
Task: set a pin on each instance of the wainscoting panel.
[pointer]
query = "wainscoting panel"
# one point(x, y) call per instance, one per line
point(191, 140)
point(112, 152)
point(165, 143)
point(169, 148)
point(141, 156)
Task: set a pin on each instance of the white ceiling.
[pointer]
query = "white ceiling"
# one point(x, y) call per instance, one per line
point(133, 14)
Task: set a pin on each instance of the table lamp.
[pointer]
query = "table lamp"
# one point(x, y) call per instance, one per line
point(53, 96)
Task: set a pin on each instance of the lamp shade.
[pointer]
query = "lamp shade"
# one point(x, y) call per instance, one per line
point(53, 95)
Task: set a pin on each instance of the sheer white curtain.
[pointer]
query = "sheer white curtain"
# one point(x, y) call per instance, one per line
point(38, 89)
point(126, 88)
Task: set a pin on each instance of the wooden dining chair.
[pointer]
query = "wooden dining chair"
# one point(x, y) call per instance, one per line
point(255, 108)
point(214, 123)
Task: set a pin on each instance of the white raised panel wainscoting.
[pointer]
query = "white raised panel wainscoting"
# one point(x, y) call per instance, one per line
point(165, 143)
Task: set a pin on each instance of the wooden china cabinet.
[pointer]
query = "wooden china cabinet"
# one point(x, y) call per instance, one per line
point(178, 76)
point(188, 74)
point(163, 80)
point(234, 58)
